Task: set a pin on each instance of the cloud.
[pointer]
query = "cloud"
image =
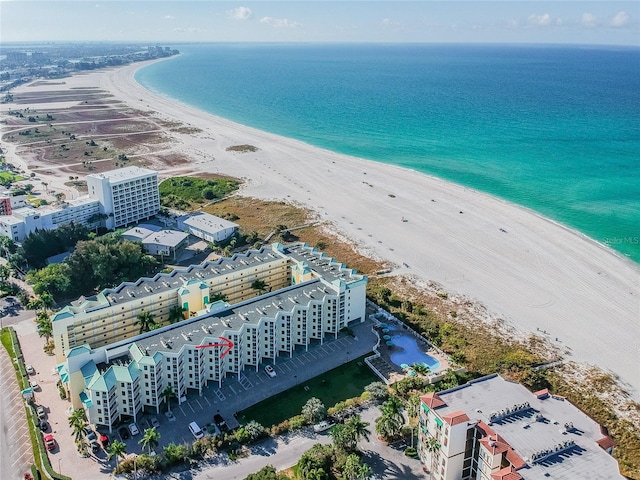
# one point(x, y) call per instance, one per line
point(544, 20)
point(169, 17)
point(589, 19)
point(279, 22)
point(240, 13)
point(620, 19)
point(387, 22)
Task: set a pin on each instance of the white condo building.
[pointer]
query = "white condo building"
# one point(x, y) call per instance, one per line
point(308, 296)
point(126, 195)
point(494, 429)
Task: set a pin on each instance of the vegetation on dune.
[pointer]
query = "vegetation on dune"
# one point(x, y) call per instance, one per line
point(184, 193)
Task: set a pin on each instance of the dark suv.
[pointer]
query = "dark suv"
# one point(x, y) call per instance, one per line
point(219, 421)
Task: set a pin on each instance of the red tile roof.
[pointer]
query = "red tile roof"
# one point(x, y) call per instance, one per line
point(542, 394)
point(432, 400)
point(606, 443)
point(454, 418)
point(507, 473)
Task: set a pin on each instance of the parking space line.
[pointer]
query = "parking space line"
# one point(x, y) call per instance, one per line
point(199, 404)
point(219, 394)
point(180, 407)
point(192, 410)
point(233, 390)
point(207, 400)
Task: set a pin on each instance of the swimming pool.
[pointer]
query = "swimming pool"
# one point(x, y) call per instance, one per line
point(411, 353)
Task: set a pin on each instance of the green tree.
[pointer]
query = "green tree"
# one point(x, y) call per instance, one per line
point(174, 453)
point(175, 314)
point(355, 469)
point(250, 432)
point(266, 473)
point(218, 297)
point(77, 422)
point(146, 321)
point(54, 279)
point(378, 391)
point(314, 410)
point(44, 325)
point(357, 429)
point(316, 462)
point(150, 439)
point(7, 246)
point(116, 449)
point(393, 407)
point(5, 272)
point(388, 427)
point(432, 446)
point(168, 394)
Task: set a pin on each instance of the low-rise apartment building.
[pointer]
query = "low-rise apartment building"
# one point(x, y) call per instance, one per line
point(493, 429)
point(207, 227)
point(320, 297)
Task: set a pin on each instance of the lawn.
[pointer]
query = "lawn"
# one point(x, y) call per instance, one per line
point(183, 192)
point(346, 381)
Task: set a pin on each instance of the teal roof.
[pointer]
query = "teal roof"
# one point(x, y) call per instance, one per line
point(63, 371)
point(203, 286)
point(104, 382)
point(62, 314)
point(193, 281)
point(86, 401)
point(79, 350)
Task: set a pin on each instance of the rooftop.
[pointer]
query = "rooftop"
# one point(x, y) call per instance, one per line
point(534, 427)
point(211, 326)
point(207, 222)
point(121, 174)
point(169, 238)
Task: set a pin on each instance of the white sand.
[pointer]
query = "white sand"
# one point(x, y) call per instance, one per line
point(537, 275)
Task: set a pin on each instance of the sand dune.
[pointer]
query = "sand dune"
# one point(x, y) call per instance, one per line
point(530, 271)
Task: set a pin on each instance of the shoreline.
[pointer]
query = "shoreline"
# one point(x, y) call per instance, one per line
point(537, 274)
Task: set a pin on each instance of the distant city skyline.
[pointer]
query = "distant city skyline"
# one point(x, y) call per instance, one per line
point(572, 22)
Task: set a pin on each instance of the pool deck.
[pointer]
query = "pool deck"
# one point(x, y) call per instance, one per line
point(383, 363)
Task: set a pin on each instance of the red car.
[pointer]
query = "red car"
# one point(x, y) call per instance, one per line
point(49, 442)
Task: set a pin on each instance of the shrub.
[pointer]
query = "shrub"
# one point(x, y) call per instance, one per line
point(411, 452)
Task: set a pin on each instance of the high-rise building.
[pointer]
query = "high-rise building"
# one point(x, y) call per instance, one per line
point(126, 195)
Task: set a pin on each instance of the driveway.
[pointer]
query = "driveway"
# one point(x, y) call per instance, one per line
point(387, 462)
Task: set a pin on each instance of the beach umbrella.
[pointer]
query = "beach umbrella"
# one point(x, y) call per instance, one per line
point(385, 330)
point(389, 343)
point(387, 337)
point(404, 366)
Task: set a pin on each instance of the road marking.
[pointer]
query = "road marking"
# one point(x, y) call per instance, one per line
point(220, 395)
point(180, 408)
point(199, 404)
point(192, 410)
point(207, 400)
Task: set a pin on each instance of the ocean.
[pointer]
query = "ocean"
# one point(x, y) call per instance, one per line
point(554, 128)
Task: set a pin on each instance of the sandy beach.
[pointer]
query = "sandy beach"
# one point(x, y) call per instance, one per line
point(532, 272)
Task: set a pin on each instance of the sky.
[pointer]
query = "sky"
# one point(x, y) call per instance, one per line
point(457, 21)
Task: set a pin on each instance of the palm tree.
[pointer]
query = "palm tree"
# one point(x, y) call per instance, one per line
point(393, 408)
point(168, 394)
point(146, 321)
point(356, 429)
point(77, 422)
point(259, 285)
point(176, 314)
point(45, 328)
point(150, 439)
point(432, 446)
point(216, 297)
point(388, 426)
point(116, 449)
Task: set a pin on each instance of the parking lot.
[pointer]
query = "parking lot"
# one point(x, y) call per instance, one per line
point(235, 393)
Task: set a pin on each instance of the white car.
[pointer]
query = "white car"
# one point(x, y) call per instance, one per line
point(40, 411)
point(133, 428)
point(30, 369)
point(270, 371)
point(34, 384)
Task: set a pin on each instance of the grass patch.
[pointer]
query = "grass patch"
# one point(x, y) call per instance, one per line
point(184, 192)
point(7, 178)
point(346, 381)
point(242, 148)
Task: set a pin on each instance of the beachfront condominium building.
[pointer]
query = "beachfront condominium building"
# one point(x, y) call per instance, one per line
point(319, 297)
point(126, 195)
point(494, 429)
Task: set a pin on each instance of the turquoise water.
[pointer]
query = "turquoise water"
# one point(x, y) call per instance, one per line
point(552, 128)
point(411, 353)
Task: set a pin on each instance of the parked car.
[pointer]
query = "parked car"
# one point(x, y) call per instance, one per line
point(153, 421)
point(322, 426)
point(95, 446)
point(34, 384)
point(170, 416)
point(89, 434)
point(30, 369)
point(124, 433)
point(40, 411)
point(44, 426)
point(133, 428)
point(104, 440)
point(270, 371)
point(49, 442)
point(219, 421)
